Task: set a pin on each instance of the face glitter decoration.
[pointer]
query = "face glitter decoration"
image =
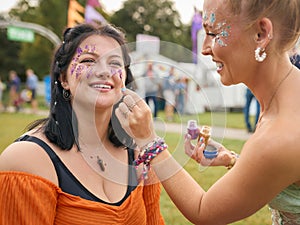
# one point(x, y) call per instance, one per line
point(74, 65)
point(117, 72)
point(222, 29)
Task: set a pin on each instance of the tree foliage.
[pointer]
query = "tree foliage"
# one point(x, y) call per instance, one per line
point(154, 17)
point(50, 14)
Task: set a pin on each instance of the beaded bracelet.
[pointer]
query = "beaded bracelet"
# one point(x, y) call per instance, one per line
point(233, 160)
point(149, 152)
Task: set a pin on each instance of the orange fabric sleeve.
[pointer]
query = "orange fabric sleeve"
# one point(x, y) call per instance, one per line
point(24, 200)
point(151, 195)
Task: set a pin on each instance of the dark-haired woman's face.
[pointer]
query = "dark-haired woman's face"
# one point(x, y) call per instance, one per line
point(96, 73)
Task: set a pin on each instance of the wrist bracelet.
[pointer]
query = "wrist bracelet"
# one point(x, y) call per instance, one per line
point(233, 160)
point(149, 152)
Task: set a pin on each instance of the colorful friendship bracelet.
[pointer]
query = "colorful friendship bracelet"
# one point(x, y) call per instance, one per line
point(149, 152)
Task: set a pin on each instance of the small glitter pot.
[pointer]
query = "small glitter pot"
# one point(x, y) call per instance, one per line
point(193, 129)
point(210, 152)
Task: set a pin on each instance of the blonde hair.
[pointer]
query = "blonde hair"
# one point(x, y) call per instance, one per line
point(285, 15)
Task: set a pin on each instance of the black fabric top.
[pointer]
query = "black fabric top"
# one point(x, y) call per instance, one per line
point(69, 183)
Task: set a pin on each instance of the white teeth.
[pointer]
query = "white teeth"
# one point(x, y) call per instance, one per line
point(101, 86)
point(219, 65)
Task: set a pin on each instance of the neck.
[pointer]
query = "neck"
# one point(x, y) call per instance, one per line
point(267, 79)
point(93, 127)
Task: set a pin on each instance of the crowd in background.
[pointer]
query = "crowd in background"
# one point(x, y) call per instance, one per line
point(14, 94)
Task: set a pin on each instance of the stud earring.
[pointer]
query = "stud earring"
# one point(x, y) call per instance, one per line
point(260, 54)
point(66, 94)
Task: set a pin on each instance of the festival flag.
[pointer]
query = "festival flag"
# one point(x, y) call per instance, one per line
point(91, 14)
point(196, 26)
point(75, 12)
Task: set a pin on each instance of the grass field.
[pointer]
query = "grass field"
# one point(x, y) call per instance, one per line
point(12, 125)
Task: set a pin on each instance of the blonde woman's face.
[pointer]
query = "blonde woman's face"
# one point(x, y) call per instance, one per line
point(226, 41)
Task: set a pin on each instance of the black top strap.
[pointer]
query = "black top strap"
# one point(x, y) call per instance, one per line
point(69, 183)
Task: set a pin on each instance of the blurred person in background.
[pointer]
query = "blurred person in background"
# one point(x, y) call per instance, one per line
point(295, 57)
point(2, 89)
point(151, 81)
point(169, 86)
point(32, 85)
point(249, 99)
point(14, 90)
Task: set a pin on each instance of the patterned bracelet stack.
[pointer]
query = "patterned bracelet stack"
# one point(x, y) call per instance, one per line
point(149, 152)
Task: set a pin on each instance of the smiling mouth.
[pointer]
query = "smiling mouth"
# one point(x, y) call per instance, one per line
point(101, 86)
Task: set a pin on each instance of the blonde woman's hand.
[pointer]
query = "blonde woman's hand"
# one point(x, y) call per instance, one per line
point(135, 117)
point(195, 151)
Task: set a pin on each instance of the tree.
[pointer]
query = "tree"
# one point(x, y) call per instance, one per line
point(154, 17)
point(38, 55)
point(9, 56)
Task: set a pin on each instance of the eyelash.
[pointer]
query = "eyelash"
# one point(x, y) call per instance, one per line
point(112, 63)
point(116, 63)
point(211, 34)
point(87, 61)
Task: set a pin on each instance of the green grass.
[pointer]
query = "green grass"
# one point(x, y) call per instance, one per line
point(205, 177)
point(12, 125)
point(223, 119)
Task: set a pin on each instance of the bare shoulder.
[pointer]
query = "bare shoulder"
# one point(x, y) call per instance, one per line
point(25, 156)
point(275, 149)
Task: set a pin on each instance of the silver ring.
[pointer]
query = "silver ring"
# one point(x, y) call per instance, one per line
point(130, 107)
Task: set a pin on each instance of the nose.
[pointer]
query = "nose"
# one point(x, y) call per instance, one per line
point(207, 46)
point(103, 74)
point(102, 70)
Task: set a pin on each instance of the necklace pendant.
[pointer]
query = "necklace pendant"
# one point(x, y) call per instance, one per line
point(100, 163)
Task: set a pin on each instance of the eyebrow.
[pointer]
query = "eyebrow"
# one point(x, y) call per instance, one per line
point(97, 55)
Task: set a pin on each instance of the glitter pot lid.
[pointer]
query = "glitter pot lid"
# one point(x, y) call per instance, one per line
point(210, 152)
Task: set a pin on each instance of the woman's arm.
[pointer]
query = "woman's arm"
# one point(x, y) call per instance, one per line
point(261, 172)
point(26, 199)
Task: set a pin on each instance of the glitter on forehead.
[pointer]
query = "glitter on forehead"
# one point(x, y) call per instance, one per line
point(222, 29)
point(210, 19)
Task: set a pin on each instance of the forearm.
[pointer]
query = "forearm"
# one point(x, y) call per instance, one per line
point(184, 191)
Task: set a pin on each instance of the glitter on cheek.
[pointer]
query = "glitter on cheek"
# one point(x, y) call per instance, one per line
point(114, 72)
point(120, 74)
point(225, 30)
point(72, 69)
point(79, 70)
point(89, 72)
point(212, 19)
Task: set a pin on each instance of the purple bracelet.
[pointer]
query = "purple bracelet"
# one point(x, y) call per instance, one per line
point(148, 153)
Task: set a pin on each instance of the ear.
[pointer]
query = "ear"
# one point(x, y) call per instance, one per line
point(64, 82)
point(264, 32)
